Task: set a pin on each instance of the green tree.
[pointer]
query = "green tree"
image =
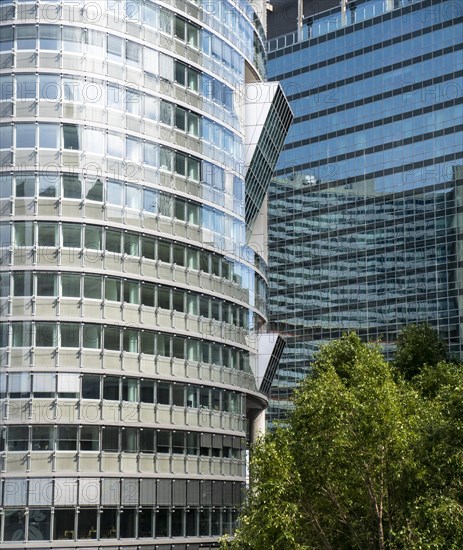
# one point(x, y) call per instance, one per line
point(367, 460)
point(418, 345)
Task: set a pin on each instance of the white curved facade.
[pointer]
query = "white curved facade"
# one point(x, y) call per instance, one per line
point(128, 292)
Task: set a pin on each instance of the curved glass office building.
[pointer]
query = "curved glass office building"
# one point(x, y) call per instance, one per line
point(129, 290)
point(365, 220)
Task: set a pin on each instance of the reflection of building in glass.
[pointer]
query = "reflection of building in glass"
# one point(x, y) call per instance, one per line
point(129, 292)
point(364, 211)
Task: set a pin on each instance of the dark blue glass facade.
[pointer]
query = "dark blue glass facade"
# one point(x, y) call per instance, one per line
point(365, 213)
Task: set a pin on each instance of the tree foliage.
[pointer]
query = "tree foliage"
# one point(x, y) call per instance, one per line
point(367, 460)
point(418, 345)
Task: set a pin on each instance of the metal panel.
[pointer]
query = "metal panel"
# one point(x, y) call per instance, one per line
point(179, 492)
point(193, 492)
point(147, 491)
point(66, 492)
point(206, 493)
point(89, 491)
point(110, 492)
point(130, 491)
point(15, 492)
point(164, 496)
point(217, 493)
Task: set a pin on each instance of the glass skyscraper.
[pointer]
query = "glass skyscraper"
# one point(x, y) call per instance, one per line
point(365, 209)
point(133, 270)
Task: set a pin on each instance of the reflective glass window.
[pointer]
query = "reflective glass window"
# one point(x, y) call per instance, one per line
point(42, 438)
point(70, 285)
point(67, 438)
point(71, 136)
point(47, 284)
point(26, 37)
point(91, 336)
point(49, 37)
point(26, 86)
point(14, 524)
point(72, 235)
point(89, 438)
point(70, 335)
point(18, 438)
point(25, 135)
point(91, 387)
point(49, 183)
point(92, 287)
point(72, 186)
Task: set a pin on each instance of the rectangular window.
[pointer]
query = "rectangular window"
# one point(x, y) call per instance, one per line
point(49, 184)
point(71, 137)
point(164, 298)
point(25, 136)
point(43, 384)
point(133, 197)
point(112, 338)
point(133, 52)
point(70, 285)
point(110, 440)
point(70, 335)
point(94, 237)
point(115, 145)
point(46, 335)
point(72, 187)
point(163, 345)
point(178, 442)
point(180, 76)
point(111, 388)
point(164, 251)
point(72, 235)
point(91, 387)
point(131, 293)
point(130, 341)
point(178, 395)
point(72, 39)
point(25, 186)
point(113, 289)
point(147, 441)
point(113, 241)
point(163, 393)
point(92, 287)
point(47, 234)
point(19, 384)
point(49, 139)
point(18, 438)
point(193, 80)
point(163, 441)
point(6, 136)
point(89, 438)
point(68, 385)
point(23, 283)
point(26, 86)
point(26, 37)
point(146, 391)
point(180, 118)
point(94, 190)
point(49, 36)
point(64, 524)
point(91, 336)
point(150, 202)
point(22, 335)
point(115, 47)
point(178, 347)
point(129, 440)
point(147, 343)
point(67, 438)
point(47, 284)
point(42, 438)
